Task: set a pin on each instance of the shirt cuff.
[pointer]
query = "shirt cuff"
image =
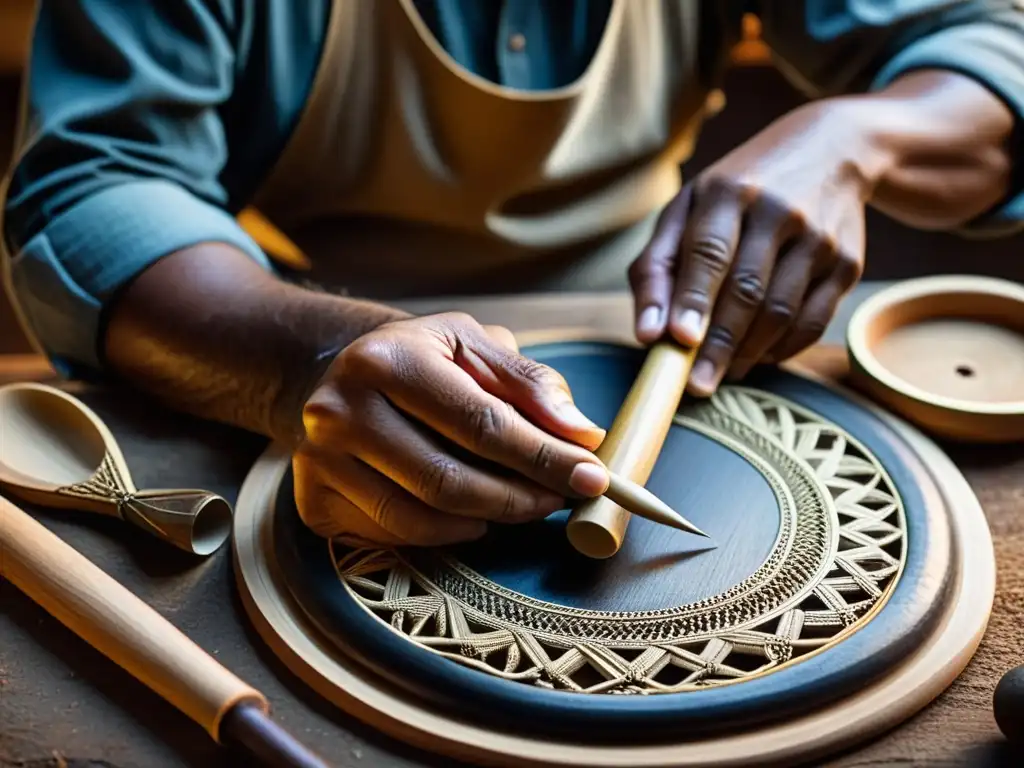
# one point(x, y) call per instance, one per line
point(992, 54)
point(64, 275)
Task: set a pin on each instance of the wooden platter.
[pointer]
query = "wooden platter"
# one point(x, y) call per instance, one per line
point(851, 581)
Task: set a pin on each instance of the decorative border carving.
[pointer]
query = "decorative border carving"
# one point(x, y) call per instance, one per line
point(837, 558)
point(106, 485)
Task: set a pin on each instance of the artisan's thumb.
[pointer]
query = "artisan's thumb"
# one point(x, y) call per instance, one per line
point(543, 395)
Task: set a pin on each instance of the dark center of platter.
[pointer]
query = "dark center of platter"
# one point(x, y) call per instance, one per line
point(658, 567)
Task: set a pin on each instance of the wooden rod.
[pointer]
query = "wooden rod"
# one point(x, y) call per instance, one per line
point(131, 634)
point(597, 526)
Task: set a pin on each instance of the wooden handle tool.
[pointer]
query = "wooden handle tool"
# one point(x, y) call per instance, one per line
point(130, 633)
point(631, 447)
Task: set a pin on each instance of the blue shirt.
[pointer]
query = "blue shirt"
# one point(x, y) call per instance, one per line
point(150, 124)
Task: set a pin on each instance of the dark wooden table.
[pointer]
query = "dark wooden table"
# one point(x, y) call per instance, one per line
point(64, 705)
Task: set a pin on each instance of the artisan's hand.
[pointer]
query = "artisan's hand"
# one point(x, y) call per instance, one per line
point(752, 258)
point(424, 429)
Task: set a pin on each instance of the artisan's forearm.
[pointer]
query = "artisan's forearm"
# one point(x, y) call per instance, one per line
point(945, 140)
point(212, 333)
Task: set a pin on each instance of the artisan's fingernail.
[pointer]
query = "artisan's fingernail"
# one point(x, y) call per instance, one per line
point(691, 325)
point(574, 417)
point(589, 480)
point(649, 322)
point(702, 377)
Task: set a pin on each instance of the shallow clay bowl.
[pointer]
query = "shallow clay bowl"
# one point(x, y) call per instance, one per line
point(946, 353)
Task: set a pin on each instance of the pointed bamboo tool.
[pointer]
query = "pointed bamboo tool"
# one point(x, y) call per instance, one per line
point(639, 501)
point(56, 452)
point(596, 528)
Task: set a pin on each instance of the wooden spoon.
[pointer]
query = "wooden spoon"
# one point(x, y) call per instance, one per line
point(56, 452)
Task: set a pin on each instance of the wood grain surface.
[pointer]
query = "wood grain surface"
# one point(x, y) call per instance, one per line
point(61, 704)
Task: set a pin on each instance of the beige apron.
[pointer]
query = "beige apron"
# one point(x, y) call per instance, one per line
point(411, 176)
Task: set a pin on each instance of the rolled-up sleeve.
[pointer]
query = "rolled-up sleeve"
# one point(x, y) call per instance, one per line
point(117, 160)
point(857, 45)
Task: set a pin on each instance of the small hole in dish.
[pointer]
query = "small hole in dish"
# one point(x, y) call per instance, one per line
point(965, 370)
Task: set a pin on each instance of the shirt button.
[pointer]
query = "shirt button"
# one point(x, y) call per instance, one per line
point(517, 42)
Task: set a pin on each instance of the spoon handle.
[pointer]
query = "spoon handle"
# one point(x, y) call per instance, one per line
point(193, 520)
point(196, 521)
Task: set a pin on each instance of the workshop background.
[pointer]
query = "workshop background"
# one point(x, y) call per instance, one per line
point(756, 94)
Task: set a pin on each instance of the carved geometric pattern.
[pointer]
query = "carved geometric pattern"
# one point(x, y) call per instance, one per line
point(106, 484)
point(837, 558)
